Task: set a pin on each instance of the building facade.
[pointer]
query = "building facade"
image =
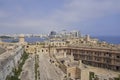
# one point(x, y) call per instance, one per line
point(103, 58)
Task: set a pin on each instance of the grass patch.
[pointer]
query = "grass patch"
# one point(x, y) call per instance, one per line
point(18, 70)
point(91, 75)
point(37, 74)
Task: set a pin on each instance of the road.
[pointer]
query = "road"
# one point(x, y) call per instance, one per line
point(28, 69)
point(49, 71)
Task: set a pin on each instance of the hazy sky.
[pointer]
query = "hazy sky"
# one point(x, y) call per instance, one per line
point(95, 17)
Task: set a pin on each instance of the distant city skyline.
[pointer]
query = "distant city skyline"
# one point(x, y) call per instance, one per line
point(94, 17)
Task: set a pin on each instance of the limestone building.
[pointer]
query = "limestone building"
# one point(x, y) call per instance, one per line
point(21, 39)
point(55, 43)
point(103, 67)
point(104, 58)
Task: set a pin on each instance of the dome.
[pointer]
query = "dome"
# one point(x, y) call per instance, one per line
point(21, 35)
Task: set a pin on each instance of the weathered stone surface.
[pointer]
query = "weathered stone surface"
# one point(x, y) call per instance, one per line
point(28, 69)
point(9, 60)
point(2, 50)
point(49, 71)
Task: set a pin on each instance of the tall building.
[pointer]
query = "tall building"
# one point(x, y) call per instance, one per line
point(52, 34)
point(75, 34)
point(72, 34)
point(87, 38)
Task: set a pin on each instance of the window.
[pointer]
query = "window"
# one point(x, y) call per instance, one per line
point(110, 55)
point(117, 68)
point(62, 61)
point(117, 56)
point(42, 50)
point(69, 74)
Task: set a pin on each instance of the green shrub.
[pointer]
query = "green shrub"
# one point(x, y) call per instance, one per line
point(18, 70)
point(91, 75)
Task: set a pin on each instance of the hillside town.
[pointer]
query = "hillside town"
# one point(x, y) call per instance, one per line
point(62, 56)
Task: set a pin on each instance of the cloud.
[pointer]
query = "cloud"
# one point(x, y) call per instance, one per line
point(73, 12)
point(81, 10)
point(4, 14)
